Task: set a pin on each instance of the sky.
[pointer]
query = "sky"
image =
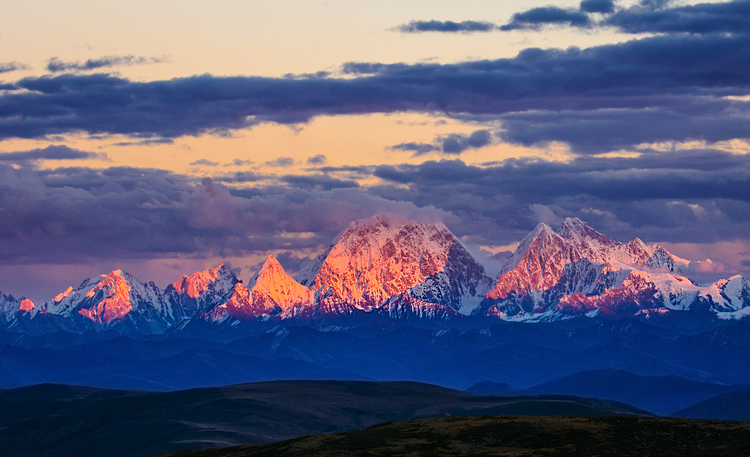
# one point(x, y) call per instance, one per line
point(165, 137)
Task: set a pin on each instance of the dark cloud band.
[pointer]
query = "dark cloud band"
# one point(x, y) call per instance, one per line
point(675, 75)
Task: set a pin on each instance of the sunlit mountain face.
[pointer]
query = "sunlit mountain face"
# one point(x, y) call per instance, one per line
point(402, 272)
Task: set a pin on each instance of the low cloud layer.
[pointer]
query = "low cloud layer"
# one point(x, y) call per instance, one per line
point(69, 214)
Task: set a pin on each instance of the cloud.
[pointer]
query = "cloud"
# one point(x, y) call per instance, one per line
point(674, 84)
point(456, 143)
point(535, 18)
point(205, 162)
point(596, 131)
point(52, 152)
point(55, 65)
point(366, 68)
point(648, 16)
point(146, 142)
point(695, 196)
point(239, 163)
point(240, 177)
point(745, 263)
point(417, 148)
point(291, 261)
point(7, 67)
point(452, 144)
point(318, 159)
point(446, 26)
point(72, 215)
point(318, 182)
point(597, 6)
point(703, 18)
point(281, 162)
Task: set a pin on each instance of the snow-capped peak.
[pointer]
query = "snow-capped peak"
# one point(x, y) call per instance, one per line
point(380, 257)
point(581, 235)
point(115, 304)
point(198, 282)
point(541, 230)
point(274, 284)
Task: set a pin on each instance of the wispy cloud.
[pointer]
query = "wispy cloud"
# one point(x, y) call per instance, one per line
point(451, 144)
point(205, 162)
point(318, 159)
point(446, 27)
point(53, 152)
point(7, 67)
point(55, 65)
point(281, 162)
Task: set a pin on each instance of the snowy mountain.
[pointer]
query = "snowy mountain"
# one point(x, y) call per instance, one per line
point(577, 270)
point(200, 292)
point(273, 292)
point(112, 301)
point(9, 306)
point(382, 269)
point(379, 258)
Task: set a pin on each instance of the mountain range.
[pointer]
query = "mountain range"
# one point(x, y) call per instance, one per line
point(382, 269)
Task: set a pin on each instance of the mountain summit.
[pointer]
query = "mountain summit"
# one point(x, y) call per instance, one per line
point(378, 258)
point(577, 270)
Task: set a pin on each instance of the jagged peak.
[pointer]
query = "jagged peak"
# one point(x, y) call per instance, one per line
point(640, 243)
point(572, 226)
point(116, 279)
point(574, 223)
point(197, 282)
point(270, 268)
point(541, 230)
point(541, 227)
point(577, 231)
point(271, 263)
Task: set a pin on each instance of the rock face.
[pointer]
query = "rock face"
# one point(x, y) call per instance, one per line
point(577, 270)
